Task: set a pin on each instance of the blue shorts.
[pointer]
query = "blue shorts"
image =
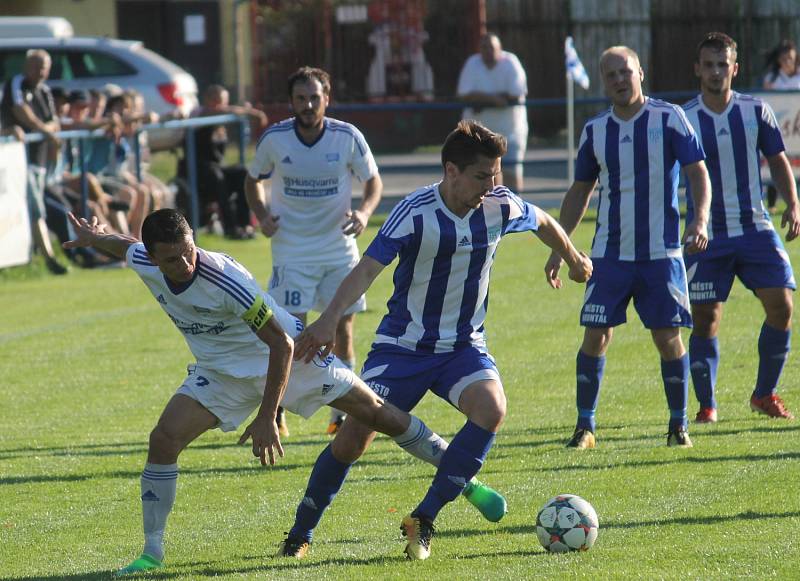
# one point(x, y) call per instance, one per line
point(758, 259)
point(402, 377)
point(657, 287)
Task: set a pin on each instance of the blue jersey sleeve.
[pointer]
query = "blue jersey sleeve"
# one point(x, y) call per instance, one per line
point(685, 145)
point(384, 248)
point(586, 167)
point(770, 140)
point(521, 215)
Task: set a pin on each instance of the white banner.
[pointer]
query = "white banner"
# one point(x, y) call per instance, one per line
point(787, 109)
point(15, 228)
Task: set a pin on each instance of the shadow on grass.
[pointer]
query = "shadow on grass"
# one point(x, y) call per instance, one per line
point(602, 463)
point(137, 448)
point(281, 466)
point(685, 520)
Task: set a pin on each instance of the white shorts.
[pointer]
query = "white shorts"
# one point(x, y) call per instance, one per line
point(233, 399)
point(302, 288)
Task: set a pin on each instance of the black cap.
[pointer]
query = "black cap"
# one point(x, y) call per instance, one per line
point(77, 96)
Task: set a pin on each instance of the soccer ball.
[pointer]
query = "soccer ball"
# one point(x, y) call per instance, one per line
point(567, 523)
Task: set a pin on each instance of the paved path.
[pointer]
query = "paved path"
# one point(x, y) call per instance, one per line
point(545, 179)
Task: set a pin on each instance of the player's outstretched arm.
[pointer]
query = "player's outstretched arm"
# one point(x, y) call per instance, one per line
point(573, 207)
point(696, 235)
point(781, 172)
point(322, 332)
point(91, 234)
point(553, 235)
point(264, 429)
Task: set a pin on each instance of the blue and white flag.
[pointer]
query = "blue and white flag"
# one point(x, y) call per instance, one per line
point(575, 70)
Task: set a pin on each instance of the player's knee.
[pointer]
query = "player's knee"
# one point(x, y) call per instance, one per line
point(489, 410)
point(163, 445)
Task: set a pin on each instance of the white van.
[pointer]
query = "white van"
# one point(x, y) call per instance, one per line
point(35, 27)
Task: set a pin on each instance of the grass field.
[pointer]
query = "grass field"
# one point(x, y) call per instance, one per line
point(87, 361)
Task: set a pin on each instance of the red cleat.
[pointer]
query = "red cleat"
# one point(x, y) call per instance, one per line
point(706, 416)
point(770, 405)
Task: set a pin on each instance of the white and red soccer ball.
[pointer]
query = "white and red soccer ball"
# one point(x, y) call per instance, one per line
point(567, 523)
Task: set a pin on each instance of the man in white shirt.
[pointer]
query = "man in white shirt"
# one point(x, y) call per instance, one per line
point(493, 85)
point(310, 159)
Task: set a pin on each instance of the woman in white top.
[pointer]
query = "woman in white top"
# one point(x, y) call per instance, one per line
point(782, 68)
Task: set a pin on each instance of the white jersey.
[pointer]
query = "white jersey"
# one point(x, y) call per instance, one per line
point(212, 311)
point(506, 76)
point(637, 164)
point(441, 283)
point(732, 141)
point(312, 189)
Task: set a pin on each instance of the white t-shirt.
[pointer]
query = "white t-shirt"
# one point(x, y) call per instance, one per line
point(506, 76)
point(784, 82)
point(213, 309)
point(312, 189)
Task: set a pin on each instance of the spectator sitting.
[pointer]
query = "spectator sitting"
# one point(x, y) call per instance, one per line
point(783, 73)
point(215, 182)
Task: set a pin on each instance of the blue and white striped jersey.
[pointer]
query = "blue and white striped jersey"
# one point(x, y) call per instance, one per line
point(732, 141)
point(441, 283)
point(637, 162)
point(211, 311)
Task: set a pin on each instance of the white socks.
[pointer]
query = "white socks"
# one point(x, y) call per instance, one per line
point(418, 440)
point(159, 482)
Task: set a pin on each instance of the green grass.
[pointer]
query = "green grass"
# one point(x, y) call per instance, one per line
point(87, 361)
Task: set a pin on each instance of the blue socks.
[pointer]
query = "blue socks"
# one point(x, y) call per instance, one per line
point(704, 357)
point(676, 386)
point(326, 479)
point(589, 373)
point(461, 461)
point(773, 349)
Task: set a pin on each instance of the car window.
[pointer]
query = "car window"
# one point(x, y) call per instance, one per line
point(98, 64)
point(61, 69)
point(11, 63)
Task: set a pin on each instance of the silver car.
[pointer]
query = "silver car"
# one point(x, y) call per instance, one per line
point(91, 63)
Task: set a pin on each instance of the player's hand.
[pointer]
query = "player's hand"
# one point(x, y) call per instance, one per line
point(355, 223)
point(266, 440)
point(321, 334)
point(581, 271)
point(86, 232)
point(269, 225)
point(551, 268)
point(791, 217)
point(695, 237)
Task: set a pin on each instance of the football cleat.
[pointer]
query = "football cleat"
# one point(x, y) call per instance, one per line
point(419, 531)
point(582, 439)
point(770, 405)
point(679, 438)
point(706, 416)
point(144, 563)
point(490, 503)
point(291, 546)
point(283, 427)
point(336, 423)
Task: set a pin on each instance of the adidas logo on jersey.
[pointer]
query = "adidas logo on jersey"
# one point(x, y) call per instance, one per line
point(626, 139)
point(723, 131)
point(326, 387)
point(464, 242)
point(286, 159)
point(161, 299)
